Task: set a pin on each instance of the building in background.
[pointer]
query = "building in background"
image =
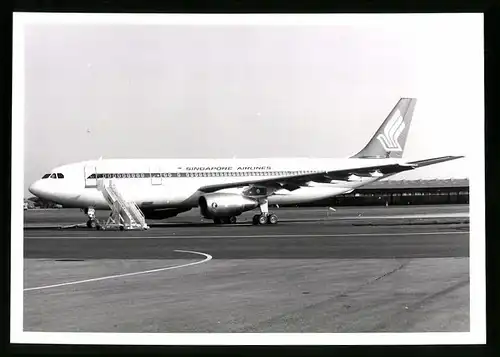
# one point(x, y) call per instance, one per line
point(35, 202)
point(404, 192)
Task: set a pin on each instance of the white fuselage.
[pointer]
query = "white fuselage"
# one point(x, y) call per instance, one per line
point(175, 183)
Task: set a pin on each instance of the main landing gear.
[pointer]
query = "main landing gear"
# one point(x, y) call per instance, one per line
point(264, 217)
point(225, 220)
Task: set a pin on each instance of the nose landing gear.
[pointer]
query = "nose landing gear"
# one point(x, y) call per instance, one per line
point(92, 221)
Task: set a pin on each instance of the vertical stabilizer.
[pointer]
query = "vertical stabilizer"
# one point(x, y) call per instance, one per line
point(390, 139)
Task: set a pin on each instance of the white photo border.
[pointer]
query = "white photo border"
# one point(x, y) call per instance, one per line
point(477, 334)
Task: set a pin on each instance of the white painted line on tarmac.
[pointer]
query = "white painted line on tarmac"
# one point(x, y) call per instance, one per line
point(207, 258)
point(254, 236)
point(296, 220)
point(360, 217)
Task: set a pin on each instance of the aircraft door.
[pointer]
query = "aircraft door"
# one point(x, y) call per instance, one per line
point(156, 176)
point(90, 174)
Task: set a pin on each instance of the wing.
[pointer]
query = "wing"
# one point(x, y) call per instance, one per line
point(292, 182)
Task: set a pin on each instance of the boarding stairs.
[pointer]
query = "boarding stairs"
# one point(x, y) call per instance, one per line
point(124, 214)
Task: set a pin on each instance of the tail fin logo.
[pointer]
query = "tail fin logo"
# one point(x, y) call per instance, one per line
point(392, 131)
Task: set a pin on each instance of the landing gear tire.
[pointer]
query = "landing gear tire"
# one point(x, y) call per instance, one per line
point(262, 219)
point(225, 220)
point(272, 219)
point(259, 219)
point(91, 224)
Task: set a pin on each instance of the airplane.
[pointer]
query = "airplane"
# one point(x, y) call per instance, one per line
point(225, 188)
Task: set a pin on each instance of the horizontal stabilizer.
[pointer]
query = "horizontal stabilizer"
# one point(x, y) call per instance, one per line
point(437, 160)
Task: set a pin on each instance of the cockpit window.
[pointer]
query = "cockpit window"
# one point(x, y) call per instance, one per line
point(53, 176)
point(59, 175)
point(45, 176)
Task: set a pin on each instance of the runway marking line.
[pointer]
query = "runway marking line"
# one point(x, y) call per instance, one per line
point(208, 257)
point(252, 236)
point(315, 219)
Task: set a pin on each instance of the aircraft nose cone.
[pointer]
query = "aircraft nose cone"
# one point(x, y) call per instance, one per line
point(35, 188)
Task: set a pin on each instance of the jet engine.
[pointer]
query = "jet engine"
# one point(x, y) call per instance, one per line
point(217, 205)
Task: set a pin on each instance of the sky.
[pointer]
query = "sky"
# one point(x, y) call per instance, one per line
point(160, 90)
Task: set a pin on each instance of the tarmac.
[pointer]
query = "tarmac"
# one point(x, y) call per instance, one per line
point(353, 269)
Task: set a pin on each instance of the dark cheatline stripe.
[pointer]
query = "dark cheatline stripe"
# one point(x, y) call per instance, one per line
point(196, 174)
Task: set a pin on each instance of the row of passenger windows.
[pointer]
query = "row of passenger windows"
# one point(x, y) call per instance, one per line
point(410, 193)
point(201, 174)
point(53, 176)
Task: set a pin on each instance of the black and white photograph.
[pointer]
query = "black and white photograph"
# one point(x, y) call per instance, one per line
point(248, 179)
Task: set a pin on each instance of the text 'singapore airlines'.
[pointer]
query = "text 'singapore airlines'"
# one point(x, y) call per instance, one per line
point(223, 189)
